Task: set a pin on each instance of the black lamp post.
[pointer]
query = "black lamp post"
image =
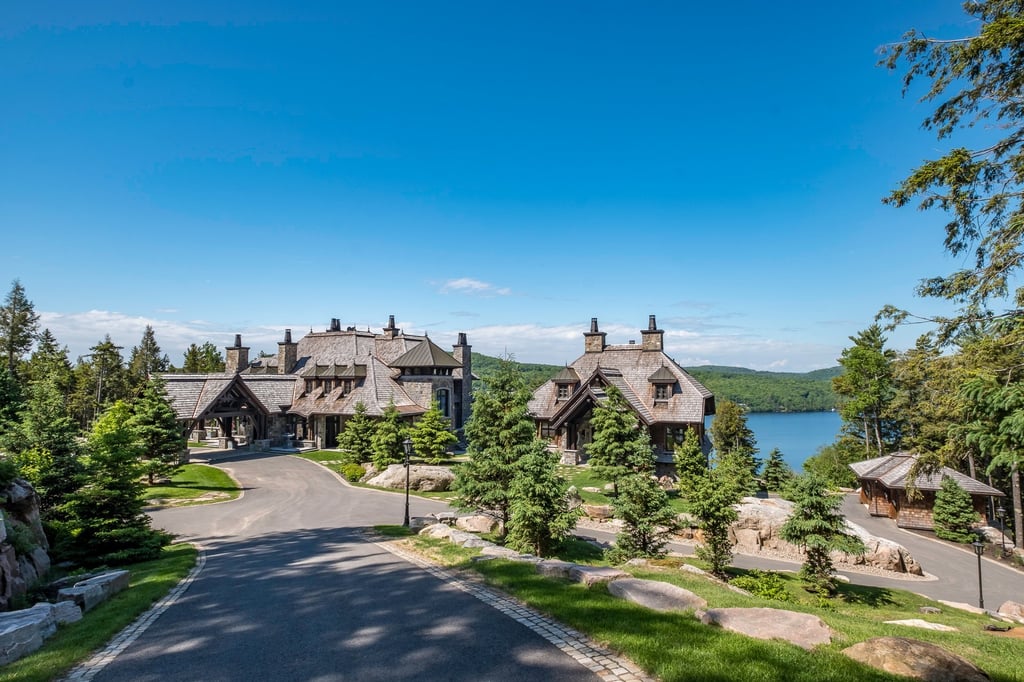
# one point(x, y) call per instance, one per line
point(1001, 513)
point(407, 446)
point(979, 549)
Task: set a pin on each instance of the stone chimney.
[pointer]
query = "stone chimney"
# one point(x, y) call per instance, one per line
point(652, 337)
point(237, 356)
point(391, 331)
point(463, 352)
point(287, 353)
point(335, 325)
point(593, 341)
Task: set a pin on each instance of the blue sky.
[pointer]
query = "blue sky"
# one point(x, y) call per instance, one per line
point(505, 169)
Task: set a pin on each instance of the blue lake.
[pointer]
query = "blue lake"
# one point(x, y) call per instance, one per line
point(797, 435)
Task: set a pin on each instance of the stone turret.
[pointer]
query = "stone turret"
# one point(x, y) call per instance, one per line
point(237, 356)
point(594, 340)
point(463, 352)
point(652, 338)
point(287, 353)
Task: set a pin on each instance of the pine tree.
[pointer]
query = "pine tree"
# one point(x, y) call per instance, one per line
point(691, 462)
point(387, 438)
point(616, 428)
point(19, 323)
point(953, 512)
point(540, 518)
point(106, 524)
point(866, 388)
point(49, 360)
point(776, 472)
point(499, 434)
point(157, 428)
point(203, 359)
point(733, 440)
point(11, 400)
point(146, 360)
point(356, 439)
point(711, 501)
point(647, 516)
point(817, 525)
point(432, 435)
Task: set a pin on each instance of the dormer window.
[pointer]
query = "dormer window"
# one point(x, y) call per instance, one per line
point(563, 391)
point(566, 382)
point(663, 382)
point(661, 391)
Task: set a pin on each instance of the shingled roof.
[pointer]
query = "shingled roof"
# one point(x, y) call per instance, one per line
point(892, 471)
point(425, 354)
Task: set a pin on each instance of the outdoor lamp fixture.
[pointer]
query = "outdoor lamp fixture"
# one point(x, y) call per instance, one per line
point(1001, 513)
point(979, 549)
point(407, 446)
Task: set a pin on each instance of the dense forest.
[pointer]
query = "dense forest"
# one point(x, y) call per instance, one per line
point(758, 391)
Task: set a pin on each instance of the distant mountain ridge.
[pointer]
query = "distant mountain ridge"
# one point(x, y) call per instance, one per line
point(759, 390)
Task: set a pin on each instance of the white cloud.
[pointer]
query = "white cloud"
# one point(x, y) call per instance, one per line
point(468, 285)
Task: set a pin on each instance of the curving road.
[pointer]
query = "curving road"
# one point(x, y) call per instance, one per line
point(292, 591)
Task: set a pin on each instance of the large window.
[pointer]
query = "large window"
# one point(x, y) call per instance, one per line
point(661, 391)
point(442, 400)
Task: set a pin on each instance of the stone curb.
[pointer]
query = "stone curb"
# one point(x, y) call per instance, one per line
point(89, 669)
point(602, 662)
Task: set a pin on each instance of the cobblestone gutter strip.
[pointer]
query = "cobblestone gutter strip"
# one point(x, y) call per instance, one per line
point(605, 664)
point(88, 669)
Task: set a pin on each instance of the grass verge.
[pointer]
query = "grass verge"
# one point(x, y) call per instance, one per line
point(677, 646)
point(195, 484)
point(330, 459)
point(74, 643)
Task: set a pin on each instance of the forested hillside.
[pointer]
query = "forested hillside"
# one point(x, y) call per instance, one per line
point(759, 391)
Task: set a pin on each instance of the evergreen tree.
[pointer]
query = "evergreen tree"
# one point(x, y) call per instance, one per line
point(19, 323)
point(499, 434)
point(734, 467)
point(540, 518)
point(106, 524)
point(356, 439)
point(157, 428)
point(691, 462)
point(44, 446)
point(387, 438)
point(205, 359)
point(832, 462)
point(735, 443)
point(866, 388)
point(817, 525)
point(50, 361)
point(146, 360)
point(711, 501)
point(614, 445)
point(953, 512)
point(99, 381)
point(432, 435)
point(11, 400)
point(647, 516)
point(776, 472)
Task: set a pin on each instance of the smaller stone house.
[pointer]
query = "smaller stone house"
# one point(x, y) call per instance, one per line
point(883, 488)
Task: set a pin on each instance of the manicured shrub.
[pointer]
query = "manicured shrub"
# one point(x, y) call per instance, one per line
point(353, 472)
point(764, 584)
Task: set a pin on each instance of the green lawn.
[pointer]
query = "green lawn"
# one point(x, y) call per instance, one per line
point(332, 460)
point(676, 646)
point(195, 484)
point(584, 477)
point(76, 642)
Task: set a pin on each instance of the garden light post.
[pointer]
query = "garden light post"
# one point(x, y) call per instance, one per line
point(1001, 513)
point(979, 549)
point(407, 446)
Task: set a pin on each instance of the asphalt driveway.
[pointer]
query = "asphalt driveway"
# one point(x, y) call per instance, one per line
point(292, 590)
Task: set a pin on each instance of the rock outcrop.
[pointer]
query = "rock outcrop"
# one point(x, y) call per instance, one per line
point(23, 558)
point(421, 478)
point(656, 595)
point(913, 658)
point(1012, 609)
point(757, 531)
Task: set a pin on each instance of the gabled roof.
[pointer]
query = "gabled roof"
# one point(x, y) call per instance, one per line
point(425, 354)
point(192, 395)
point(273, 390)
point(892, 471)
point(567, 376)
point(663, 376)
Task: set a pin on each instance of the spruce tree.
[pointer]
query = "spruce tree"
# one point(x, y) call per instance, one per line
point(432, 435)
point(387, 438)
point(817, 525)
point(776, 472)
point(953, 513)
point(157, 428)
point(733, 438)
point(499, 434)
point(146, 360)
point(611, 452)
point(540, 518)
point(105, 522)
point(19, 323)
point(50, 360)
point(356, 439)
point(691, 462)
point(711, 501)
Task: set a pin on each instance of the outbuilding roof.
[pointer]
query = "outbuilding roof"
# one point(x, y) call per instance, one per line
point(893, 472)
